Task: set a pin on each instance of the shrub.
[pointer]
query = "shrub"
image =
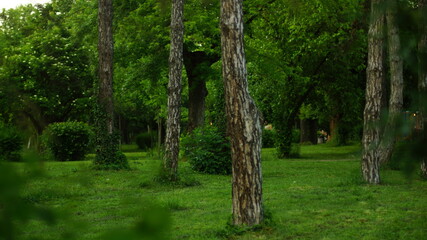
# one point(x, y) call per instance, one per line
point(268, 138)
point(146, 140)
point(68, 141)
point(296, 135)
point(10, 143)
point(207, 150)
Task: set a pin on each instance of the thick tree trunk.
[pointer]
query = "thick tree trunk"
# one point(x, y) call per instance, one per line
point(174, 91)
point(396, 82)
point(105, 50)
point(243, 119)
point(374, 94)
point(422, 74)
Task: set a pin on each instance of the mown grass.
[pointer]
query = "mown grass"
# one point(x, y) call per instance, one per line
point(317, 196)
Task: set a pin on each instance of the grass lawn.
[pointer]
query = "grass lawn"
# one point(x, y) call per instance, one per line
point(318, 196)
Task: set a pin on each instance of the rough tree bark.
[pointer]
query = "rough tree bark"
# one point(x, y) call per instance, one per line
point(105, 51)
point(170, 161)
point(396, 84)
point(243, 119)
point(374, 94)
point(108, 155)
point(422, 74)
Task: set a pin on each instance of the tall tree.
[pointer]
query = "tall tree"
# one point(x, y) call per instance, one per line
point(374, 95)
point(243, 119)
point(422, 73)
point(170, 163)
point(396, 83)
point(107, 152)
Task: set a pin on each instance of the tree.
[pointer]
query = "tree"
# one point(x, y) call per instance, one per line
point(201, 50)
point(304, 50)
point(243, 119)
point(170, 164)
point(197, 66)
point(396, 82)
point(107, 150)
point(40, 58)
point(422, 74)
point(374, 95)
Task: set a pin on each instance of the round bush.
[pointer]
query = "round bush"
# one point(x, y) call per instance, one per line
point(10, 143)
point(146, 140)
point(207, 150)
point(68, 141)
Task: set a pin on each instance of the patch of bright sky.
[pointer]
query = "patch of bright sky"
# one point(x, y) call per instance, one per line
point(14, 3)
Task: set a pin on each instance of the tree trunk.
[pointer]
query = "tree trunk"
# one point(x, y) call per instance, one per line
point(196, 64)
point(374, 92)
point(170, 163)
point(108, 155)
point(333, 128)
point(105, 50)
point(396, 82)
point(422, 75)
point(308, 131)
point(243, 119)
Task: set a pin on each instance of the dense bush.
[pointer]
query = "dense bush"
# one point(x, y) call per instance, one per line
point(146, 140)
point(10, 143)
point(68, 141)
point(268, 138)
point(207, 150)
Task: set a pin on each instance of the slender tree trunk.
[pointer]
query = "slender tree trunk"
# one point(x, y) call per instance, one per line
point(396, 81)
point(333, 128)
point(243, 119)
point(374, 92)
point(174, 91)
point(422, 74)
point(108, 155)
point(105, 50)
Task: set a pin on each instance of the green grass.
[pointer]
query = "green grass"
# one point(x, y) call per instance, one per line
point(317, 196)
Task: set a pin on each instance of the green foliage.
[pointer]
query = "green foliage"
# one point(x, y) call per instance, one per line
point(10, 143)
point(45, 68)
point(68, 141)
point(268, 138)
point(207, 150)
point(305, 52)
point(108, 155)
point(16, 211)
point(146, 140)
point(296, 134)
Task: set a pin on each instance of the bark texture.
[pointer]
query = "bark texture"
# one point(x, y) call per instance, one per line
point(105, 51)
point(243, 119)
point(396, 84)
point(174, 91)
point(422, 75)
point(374, 93)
